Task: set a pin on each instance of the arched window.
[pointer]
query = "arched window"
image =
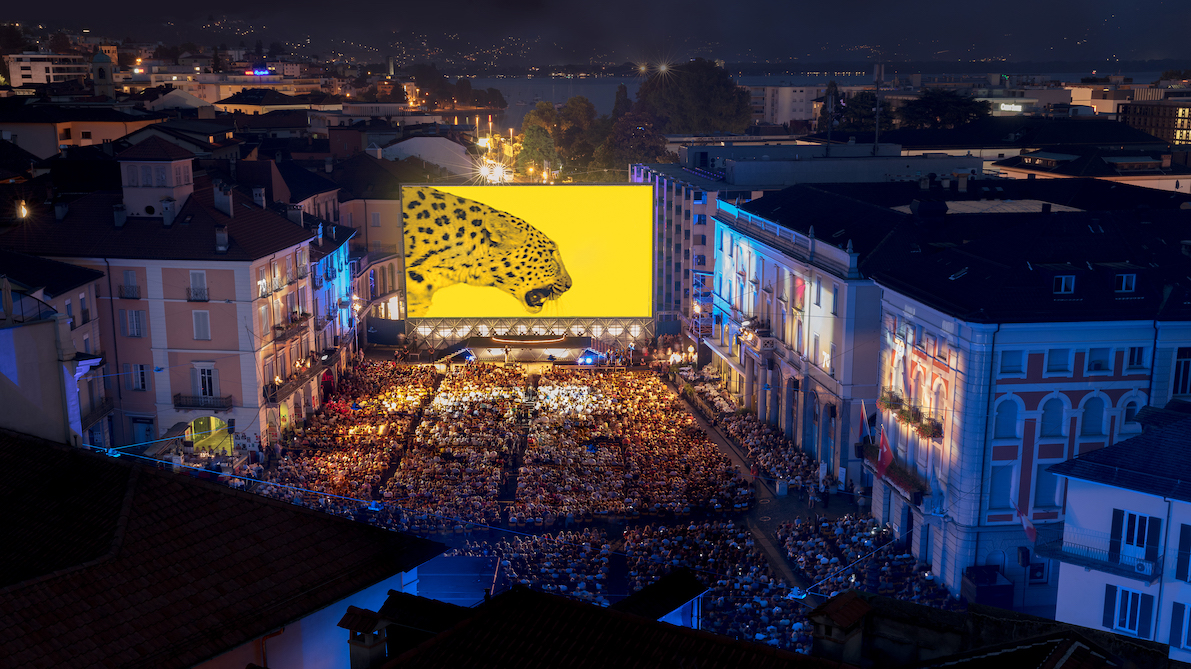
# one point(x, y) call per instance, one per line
point(1006, 425)
point(1131, 412)
point(130, 171)
point(1093, 418)
point(1052, 418)
point(146, 176)
point(102, 74)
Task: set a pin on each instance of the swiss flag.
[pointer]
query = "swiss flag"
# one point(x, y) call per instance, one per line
point(1031, 532)
point(884, 455)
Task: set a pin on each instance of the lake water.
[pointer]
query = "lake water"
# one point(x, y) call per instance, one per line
point(602, 90)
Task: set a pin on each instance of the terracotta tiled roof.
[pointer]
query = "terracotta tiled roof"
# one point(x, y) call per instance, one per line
point(120, 564)
point(155, 148)
point(88, 231)
point(527, 629)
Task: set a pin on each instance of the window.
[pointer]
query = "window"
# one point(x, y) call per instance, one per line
point(202, 325)
point(1093, 418)
point(815, 350)
point(1098, 360)
point(929, 343)
point(1124, 283)
point(1130, 412)
point(1046, 487)
point(130, 175)
point(1180, 627)
point(132, 322)
point(835, 299)
point(1058, 360)
point(1182, 372)
point(1011, 362)
point(1006, 423)
point(136, 377)
point(1052, 418)
point(1127, 610)
point(1001, 484)
point(818, 292)
point(86, 134)
point(1137, 356)
point(1064, 284)
point(206, 382)
point(375, 219)
point(161, 176)
point(798, 335)
point(198, 286)
point(264, 318)
point(831, 361)
point(146, 176)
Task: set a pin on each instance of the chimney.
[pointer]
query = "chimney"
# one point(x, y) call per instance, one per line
point(924, 183)
point(320, 234)
point(963, 182)
point(294, 213)
point(60, 209)
point(1166, 160)
point(332, 233)
point(374, 151)
point(223, 199)
point(258, 196)
point(121, 215)
point(328, 164)
point(1046, 207)
point(167, 211)
point(221, 239)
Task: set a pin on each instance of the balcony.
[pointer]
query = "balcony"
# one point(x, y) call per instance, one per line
point(278, 283)
point(294, 328)
point(97, 412)
point(1097, 550)
point(194, 294)
point(132, 292)
point(202, 402)
point(290, 277)
point(302, 271)
point(318, 281)
point(306, 369)
point(83, 319)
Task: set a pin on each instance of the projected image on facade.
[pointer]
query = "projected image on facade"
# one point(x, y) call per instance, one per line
point(508, 252)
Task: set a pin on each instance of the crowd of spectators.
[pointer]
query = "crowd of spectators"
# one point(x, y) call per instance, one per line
point(574, 563)
point(452, 473)
point(821, 551)
point(745, 600)
point(619, 446)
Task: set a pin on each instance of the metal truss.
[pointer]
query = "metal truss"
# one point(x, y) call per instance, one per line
point(442, 332)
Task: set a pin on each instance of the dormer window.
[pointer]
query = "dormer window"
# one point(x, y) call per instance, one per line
point(1125, 283)
point(1064, 284)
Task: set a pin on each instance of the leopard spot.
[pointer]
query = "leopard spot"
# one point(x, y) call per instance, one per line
point(414, 276)
point(446, 236)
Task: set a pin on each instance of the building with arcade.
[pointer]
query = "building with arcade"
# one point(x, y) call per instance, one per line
point(991, 329)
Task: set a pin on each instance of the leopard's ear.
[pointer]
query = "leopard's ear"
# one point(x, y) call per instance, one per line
point(506, 230)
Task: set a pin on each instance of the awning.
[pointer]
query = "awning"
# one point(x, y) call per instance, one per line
point(728, 357)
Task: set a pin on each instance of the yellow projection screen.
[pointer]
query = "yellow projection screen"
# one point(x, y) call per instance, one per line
point(581, 251)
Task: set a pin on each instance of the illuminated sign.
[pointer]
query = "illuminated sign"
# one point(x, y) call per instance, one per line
point(582, 251)
point(1009, 107)
point(257, 73)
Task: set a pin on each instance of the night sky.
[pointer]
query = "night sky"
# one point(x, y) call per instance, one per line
point(630, 30)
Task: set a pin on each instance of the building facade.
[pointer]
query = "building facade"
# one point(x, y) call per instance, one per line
point(46, 68)
point(1124, 549)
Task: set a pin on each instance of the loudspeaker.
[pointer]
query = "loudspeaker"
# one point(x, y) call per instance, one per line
point(1023, 556)
point(231, 426)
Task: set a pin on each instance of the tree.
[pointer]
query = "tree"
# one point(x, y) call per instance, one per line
point(543, 116)
point(60, 43)
point(697, 96)
point(216, 61)
point(260, 49)
point(832, 109)
point(635, 138)
point(463, 94)
point(860, 113)
point(188, 47)
point(12, 39)
point(276, 49)
point(939, 108)
point(537, 148)
point(623, 104)
point(578, 112)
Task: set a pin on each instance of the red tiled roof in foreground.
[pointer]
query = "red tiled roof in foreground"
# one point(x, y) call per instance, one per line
point(526, 629)
point(110, 562)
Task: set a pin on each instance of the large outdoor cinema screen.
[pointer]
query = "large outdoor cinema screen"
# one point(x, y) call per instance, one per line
point(582, 251)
